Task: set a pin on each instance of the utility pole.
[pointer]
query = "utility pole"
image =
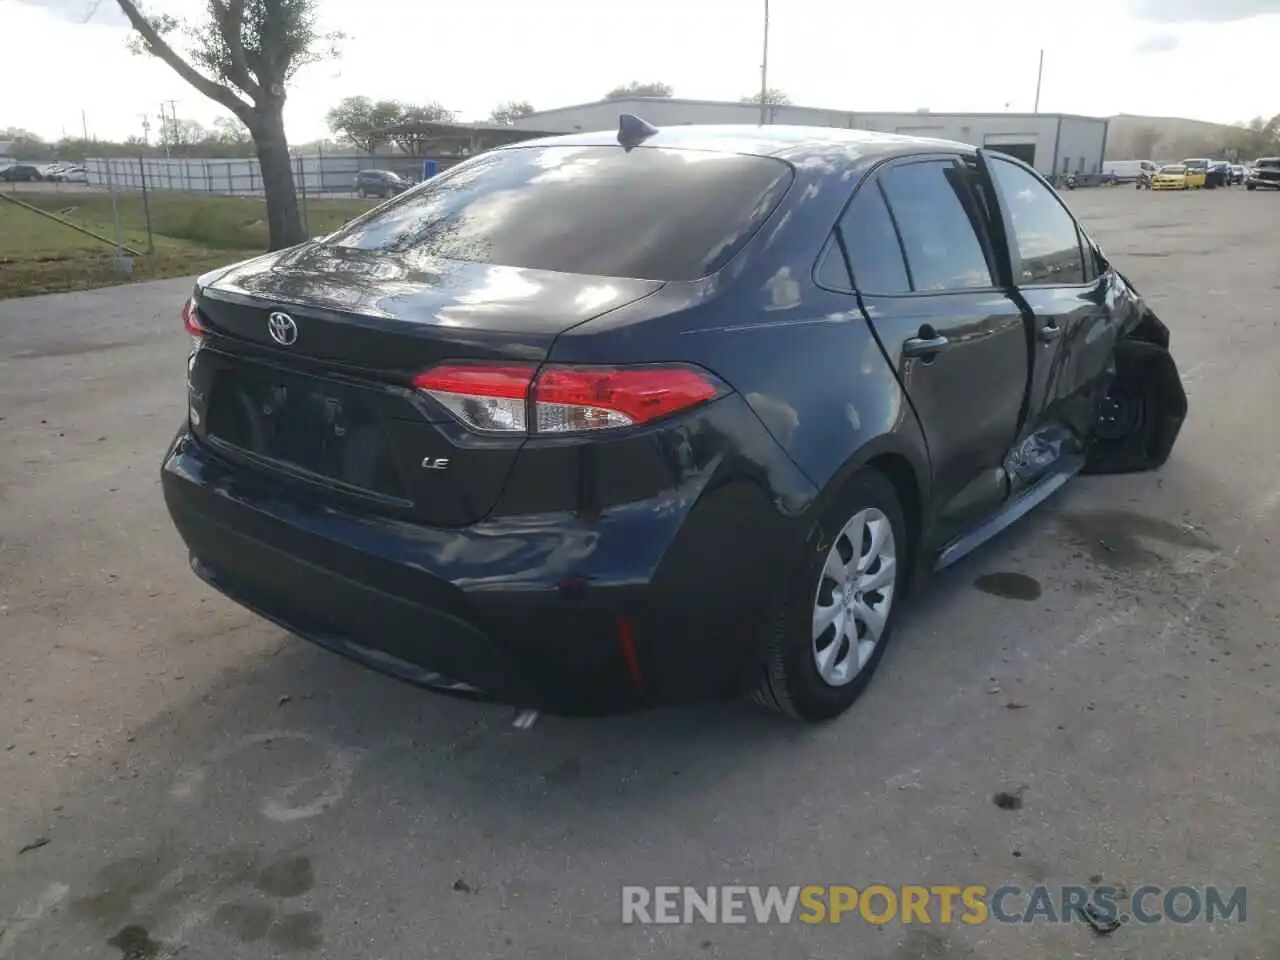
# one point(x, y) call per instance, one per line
point(173, 119)
point(84, 125)
point(764, 70)
point(146, 129)
point(164, 129)
point(1039, 77)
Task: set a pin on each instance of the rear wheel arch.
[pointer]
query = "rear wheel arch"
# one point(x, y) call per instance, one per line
point(907, 470)
point(897, 469)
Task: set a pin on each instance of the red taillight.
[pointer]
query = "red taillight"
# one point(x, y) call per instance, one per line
point(571, 399)
point(191, 319)
point(565, 399)
point(489, 398)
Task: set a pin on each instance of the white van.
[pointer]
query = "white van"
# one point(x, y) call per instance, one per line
point(1128, 170)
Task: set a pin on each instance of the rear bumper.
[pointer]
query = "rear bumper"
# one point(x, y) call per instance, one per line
point(543, 612)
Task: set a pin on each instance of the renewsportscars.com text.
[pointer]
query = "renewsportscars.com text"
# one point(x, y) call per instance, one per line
point(970, 904)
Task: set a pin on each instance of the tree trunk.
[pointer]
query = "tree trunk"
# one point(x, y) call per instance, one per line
point(283, 220)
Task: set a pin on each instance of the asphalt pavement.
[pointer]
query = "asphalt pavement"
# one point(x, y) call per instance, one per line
point(179, 777)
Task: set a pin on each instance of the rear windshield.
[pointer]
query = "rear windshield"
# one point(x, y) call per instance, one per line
point(651, 214)
point(1174, 168)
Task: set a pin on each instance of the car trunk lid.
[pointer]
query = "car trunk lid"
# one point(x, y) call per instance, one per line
point(400, 313)
point(332, 407)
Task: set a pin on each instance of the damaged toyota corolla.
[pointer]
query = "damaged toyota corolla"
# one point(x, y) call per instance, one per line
point(636, 417)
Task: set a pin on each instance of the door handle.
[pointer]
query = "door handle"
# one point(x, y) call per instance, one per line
point(924, 346)
point(1050, 332)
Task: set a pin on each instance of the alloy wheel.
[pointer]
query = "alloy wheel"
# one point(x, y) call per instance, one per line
point(855, 594)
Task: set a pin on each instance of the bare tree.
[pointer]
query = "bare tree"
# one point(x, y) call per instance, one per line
point(638, 89)
point(772, 97)
point(242, 55)
point(229, 130)
point(511, 111)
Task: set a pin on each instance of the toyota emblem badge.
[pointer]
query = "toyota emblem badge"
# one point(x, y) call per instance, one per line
point(282, 328)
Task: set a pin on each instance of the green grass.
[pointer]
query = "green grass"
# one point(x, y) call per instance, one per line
point(190, 233)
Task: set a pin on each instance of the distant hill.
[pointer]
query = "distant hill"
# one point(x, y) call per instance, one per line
point(1131, 137)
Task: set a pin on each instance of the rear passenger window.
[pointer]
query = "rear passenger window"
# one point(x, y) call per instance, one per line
point(939, 237)
point(874, 252)
point(1043, 230)
point(832, 271)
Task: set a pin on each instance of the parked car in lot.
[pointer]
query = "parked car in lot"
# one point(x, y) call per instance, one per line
point(21, 173)
point(67, 173)
point(1264, 173)
point(380, 183)
point(1218, 174)
point(1172, 176)
point(1129, 171)
point(1237, 173)
point(701, 444)
point(1197, 172)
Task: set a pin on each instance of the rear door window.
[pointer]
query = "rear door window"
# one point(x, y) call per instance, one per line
point(875, 254)
point(935, 217)
point(651, 213)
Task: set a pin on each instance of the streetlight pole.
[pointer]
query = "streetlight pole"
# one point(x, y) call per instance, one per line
point(1039, 77)
point(764, 69)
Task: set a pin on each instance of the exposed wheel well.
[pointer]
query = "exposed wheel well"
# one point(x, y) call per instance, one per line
point(899, 472)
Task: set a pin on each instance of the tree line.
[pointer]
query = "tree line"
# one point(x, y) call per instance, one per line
point(1173, 140)
point(227, 138)
point(356, 121)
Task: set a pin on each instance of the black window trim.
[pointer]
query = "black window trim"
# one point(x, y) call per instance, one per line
point(897, 233)
point(985, 241)
point(832, 246)
point(1015, 249)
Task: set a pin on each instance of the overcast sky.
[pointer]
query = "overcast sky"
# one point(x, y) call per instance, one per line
point(1205, 59)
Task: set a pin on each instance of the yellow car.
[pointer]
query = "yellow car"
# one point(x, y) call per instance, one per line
point(1197, 172)
point(1174, 176)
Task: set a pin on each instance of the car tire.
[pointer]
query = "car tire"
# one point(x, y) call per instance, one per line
point(817, 678)
point(1138, 421)
point(1250, 186)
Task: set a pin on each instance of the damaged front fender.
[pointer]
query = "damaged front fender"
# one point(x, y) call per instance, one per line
point(1142, 411)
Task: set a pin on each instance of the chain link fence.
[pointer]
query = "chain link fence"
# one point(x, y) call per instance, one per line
point(316, 175)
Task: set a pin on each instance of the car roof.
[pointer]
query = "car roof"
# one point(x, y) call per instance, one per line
point(792, 143)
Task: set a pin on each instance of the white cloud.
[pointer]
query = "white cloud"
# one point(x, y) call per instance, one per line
point(1158, 43)
point(1203, 11)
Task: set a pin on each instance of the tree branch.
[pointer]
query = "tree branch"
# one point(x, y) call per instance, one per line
point(157, 46)
point(229, 19)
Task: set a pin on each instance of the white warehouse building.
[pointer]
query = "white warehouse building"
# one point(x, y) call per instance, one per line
point(1054, 143)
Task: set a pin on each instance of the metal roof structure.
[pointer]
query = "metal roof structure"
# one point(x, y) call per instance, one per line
point(438, 138)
